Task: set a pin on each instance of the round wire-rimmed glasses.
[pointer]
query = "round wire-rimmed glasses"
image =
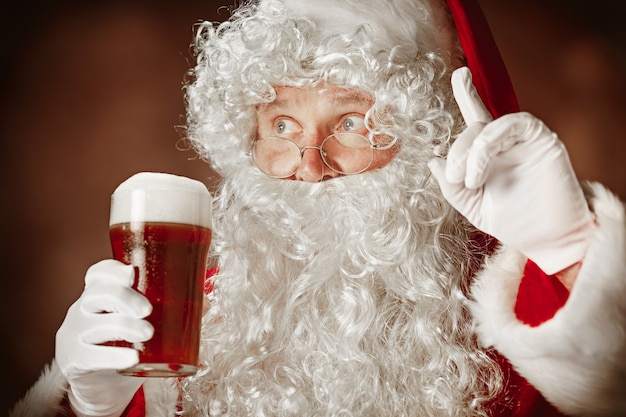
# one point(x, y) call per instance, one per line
point(344, 153)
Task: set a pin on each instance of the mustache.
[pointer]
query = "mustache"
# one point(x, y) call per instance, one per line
point(357, 221)
point(307, 214)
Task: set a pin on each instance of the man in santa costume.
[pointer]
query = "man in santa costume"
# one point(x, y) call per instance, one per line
point(394, 237)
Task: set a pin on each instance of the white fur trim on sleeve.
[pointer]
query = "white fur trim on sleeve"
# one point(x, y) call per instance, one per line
point(44, 398)
point(577, 359)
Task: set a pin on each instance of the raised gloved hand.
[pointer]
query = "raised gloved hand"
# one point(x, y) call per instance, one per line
point(108, 309)
point(512, 178)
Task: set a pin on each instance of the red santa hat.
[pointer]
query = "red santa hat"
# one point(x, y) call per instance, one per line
point(489, 73)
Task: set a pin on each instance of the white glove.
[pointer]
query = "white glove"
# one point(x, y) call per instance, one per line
point(108, 309)
point(512, 179)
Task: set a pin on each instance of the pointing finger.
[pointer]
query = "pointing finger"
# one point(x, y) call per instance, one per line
point(466, 96)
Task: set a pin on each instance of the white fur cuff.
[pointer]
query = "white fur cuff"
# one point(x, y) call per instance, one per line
point(44, 398)
point(576, 359)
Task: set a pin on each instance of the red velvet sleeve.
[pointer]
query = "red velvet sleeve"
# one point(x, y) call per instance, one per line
point(137, 406)
point(208, 282)
point(539, 296)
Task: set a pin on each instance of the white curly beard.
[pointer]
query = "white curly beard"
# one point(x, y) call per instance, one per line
point(344, 297)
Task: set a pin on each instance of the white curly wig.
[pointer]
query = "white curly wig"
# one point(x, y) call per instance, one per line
point(398, 56)
point(346, 297)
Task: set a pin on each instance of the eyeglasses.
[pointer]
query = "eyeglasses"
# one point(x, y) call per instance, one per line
point(344, 153)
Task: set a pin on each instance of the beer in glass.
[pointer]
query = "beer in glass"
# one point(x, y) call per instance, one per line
point(161, 224)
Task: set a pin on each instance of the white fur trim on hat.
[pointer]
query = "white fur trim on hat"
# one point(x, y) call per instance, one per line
point(576, 359)
point(414, 25)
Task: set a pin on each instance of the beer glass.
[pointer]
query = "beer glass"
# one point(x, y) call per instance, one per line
point(161, 224)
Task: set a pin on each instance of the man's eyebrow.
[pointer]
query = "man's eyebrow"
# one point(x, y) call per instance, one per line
point(278, 103)
point(351, 96)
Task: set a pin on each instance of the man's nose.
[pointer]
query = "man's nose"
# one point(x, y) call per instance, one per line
point(312, 167)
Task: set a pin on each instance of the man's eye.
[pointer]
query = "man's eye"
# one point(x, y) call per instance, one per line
point(352, 123)
point(285, 126)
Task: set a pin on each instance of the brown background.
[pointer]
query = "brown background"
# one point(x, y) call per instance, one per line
point(91, 93)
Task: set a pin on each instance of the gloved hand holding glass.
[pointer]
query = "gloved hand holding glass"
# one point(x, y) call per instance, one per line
point(139, 315)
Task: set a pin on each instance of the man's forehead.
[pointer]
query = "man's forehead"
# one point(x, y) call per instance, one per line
point(288, 95)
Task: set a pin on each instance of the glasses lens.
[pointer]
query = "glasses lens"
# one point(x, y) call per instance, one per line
point(347, 153)
point(277, 157)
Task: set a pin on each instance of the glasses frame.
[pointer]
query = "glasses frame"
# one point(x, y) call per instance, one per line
point(302, 149)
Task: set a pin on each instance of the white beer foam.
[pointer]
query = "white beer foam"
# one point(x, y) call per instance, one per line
point(160, 197)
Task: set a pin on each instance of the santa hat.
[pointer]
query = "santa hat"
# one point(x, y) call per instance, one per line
point(418, 25)
point(489, 73)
